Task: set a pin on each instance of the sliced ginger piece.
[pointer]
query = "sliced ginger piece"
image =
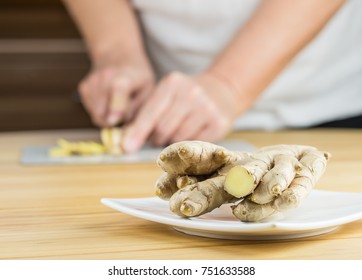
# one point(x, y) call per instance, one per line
point(58, 152)
point(68, 148)
point(112, 139)
point(239, 182)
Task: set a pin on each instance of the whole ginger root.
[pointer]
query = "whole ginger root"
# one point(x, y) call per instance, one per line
point(201, 176)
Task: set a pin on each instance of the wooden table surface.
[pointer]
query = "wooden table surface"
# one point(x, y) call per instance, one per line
point(54, 212)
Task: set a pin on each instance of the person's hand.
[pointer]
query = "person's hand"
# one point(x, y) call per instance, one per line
point(184, 108)
point(113, 93)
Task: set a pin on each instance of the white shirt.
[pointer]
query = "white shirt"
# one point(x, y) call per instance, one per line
point(322, 83)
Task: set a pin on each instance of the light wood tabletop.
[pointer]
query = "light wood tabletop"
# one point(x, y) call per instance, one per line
point(54, 212)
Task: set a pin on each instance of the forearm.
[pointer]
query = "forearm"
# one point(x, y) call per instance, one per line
point(277, 31)
point(110, 29)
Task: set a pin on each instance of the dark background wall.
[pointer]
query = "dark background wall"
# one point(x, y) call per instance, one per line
point(42, 59)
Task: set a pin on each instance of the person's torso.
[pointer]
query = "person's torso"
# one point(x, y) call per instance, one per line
point(324, 81)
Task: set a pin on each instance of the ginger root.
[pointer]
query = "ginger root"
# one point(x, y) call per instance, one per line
point(201, 176)
point(166, 186)
point(199, 198)
point(312, 165)
point(194, 158)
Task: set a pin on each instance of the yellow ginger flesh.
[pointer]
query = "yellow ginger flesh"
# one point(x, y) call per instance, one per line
point(112, 140)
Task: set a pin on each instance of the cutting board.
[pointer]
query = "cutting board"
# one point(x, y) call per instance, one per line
point(38, 155)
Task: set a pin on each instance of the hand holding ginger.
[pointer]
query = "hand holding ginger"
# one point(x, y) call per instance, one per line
point(121, 76)
point(113, 93)
point(200, 177)
point(184, 107)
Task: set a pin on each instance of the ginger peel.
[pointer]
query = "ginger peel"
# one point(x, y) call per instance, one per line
point(205, 176)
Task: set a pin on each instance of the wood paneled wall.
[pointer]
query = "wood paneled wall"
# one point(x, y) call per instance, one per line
point(42, 59)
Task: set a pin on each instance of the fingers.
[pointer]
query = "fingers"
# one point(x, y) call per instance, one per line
point(199, 127)
point(121, 90)
point(173, 118)
point(117, 101)
point(136, 101)
point(190, 128)
point(147, 118)
point(107, 93)
point(179, 109)
point(212, 132)
point(192, 116)
point(162, 114)
point(94, 94)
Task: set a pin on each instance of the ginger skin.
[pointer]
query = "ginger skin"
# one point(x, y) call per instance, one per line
point(194, 158)
point(313, 164)
point(201, 168)
point(200, 177)
point(202, 197)
point(166, 186)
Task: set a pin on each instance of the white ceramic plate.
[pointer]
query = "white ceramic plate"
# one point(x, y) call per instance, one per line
point(322, 212)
